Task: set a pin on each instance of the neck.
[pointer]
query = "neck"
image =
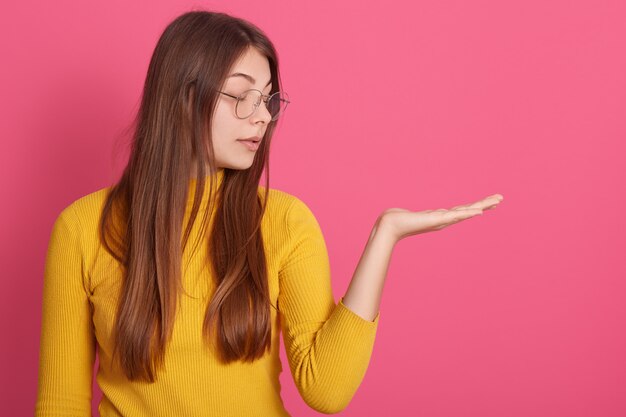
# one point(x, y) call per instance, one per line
point(216, 178)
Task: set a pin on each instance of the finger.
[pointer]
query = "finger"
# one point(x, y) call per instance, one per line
point(473, 205)
point(493, 199)
point(462, 206)
point(455, 216)
point(486, 203)
point(492, 202)
point(462, 214)
point(456, 219)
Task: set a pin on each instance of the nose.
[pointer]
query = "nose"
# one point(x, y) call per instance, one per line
point(261, 113)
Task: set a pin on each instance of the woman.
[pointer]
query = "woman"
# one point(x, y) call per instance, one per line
point(193, 330)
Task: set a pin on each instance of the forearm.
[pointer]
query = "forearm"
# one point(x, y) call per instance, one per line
point(366, 287)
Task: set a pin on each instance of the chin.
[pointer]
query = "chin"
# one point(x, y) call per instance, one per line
point(239, 165)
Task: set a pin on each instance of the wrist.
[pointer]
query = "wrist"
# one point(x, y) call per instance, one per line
point(382, 230)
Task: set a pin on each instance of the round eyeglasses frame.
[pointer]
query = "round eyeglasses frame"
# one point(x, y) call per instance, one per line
point(258, 103)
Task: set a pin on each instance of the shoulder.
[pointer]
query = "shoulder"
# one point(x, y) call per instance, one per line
point(75, 227)
point(90, 204)
point(285, 205)
point(83, 213)
point(292, 215)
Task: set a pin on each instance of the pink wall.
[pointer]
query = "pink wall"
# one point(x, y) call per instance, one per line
point(519, 312)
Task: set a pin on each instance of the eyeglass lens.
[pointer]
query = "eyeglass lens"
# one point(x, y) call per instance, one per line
point(276, 104)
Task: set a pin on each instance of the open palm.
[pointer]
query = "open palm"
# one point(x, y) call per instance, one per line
point(403, 223)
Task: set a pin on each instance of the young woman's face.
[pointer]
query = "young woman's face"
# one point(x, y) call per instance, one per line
point(227, 129)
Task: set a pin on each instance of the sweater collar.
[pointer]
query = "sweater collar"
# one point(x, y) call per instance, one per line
point(218, 175)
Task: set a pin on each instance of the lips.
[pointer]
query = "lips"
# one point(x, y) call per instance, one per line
point(254, 139)
point(250, 144)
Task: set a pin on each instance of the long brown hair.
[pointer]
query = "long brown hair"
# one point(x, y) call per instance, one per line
point(141, 223)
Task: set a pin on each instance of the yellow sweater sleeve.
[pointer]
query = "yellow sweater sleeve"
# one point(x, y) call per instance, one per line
point(67, 344)
point(328, 345)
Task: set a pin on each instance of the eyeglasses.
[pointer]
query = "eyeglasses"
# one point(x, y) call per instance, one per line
point(250, 100)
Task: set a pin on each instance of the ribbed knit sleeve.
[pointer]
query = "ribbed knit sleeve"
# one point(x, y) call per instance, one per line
point(67, 344)
point(328, 345)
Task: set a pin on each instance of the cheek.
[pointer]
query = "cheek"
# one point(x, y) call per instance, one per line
point(222, 127)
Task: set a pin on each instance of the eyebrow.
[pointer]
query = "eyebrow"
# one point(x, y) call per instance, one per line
point(248, 77)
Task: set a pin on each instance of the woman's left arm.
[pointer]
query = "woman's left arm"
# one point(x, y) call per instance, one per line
point(366, 287)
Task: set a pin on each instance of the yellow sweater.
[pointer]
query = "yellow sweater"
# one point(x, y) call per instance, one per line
point(328, 345)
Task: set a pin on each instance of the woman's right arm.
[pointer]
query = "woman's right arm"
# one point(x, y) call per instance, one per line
point(67, 344)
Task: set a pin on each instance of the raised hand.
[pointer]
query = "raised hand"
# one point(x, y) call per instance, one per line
point(366, 287)
point(401, 223)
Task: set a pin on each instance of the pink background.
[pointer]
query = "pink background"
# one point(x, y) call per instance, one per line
point(422, 105)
